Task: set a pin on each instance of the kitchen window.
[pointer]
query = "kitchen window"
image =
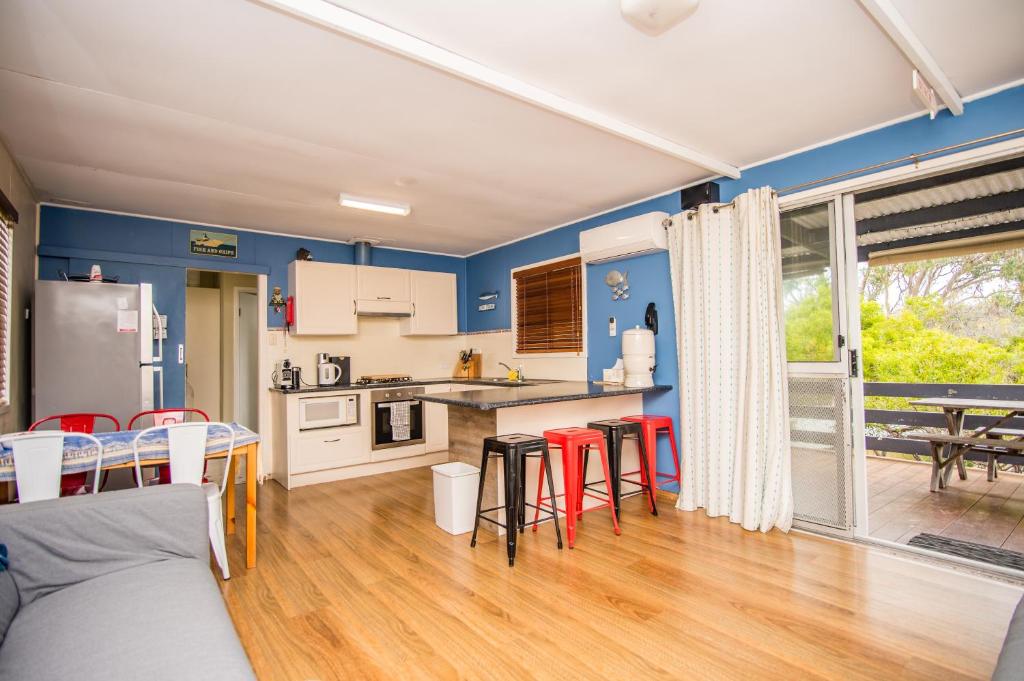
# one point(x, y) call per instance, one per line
point(548, 308)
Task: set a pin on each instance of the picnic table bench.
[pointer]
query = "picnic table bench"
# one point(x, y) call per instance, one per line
point(957, 446)
point(989, 440)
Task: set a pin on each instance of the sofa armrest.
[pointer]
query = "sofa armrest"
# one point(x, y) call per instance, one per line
point(1011, 657)
point(54, 544)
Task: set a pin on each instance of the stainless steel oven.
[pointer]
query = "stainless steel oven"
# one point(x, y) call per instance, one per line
point(392, 427)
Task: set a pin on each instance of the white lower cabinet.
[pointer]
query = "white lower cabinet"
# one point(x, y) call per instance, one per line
point(307, 457)
point(435, 417)
point(323, 448)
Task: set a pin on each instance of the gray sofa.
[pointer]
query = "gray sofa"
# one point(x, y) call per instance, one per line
point(1011, 658)
point(114, 586)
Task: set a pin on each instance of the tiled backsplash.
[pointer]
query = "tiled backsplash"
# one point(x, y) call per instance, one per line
point(378, 349)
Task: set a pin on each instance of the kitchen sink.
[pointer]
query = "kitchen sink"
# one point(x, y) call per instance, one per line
point(510, 383)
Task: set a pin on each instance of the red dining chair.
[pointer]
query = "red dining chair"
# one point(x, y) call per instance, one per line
point(85, 422)
point(168, 417)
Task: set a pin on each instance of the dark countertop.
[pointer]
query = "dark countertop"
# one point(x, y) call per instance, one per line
point(562, 391)
point(416, 381)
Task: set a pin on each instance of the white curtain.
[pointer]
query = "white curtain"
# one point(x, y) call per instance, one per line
point(734, 420)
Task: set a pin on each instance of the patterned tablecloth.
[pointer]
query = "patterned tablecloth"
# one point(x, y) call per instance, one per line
point(80, 454)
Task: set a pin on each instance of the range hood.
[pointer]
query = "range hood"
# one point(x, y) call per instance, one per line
point(381, 307)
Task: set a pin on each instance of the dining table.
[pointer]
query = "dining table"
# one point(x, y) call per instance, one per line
point(80, 456)
point(989, 438)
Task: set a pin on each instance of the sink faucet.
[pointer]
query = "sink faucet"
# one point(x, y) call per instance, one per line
point(518, 371)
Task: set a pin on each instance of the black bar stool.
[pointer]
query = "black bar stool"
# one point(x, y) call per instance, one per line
point(514, 450)
point(615, 431)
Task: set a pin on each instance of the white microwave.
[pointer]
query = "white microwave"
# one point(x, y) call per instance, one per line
point(328, 412)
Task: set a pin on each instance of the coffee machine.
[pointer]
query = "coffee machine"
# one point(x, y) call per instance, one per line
point(344, 365)
point(286, 376)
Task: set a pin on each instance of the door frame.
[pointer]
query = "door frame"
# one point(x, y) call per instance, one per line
point(235, 336)
point(843, 192)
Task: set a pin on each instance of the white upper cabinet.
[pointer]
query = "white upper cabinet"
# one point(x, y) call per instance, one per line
point(383, 290)
point(325, 296)
point(329, 298)
point(382, 283)
point(434, 305)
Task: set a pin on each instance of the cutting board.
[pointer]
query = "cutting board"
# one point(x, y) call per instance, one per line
point(470, 369)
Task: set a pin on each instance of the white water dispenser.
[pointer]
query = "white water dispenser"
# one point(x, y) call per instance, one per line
point(638, 357)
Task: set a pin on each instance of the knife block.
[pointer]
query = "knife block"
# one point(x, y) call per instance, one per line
point(470, 369)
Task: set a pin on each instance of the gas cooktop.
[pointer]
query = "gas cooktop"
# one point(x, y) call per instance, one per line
point(384, 378)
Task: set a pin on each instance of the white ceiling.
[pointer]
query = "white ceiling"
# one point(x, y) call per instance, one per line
point(233, 113)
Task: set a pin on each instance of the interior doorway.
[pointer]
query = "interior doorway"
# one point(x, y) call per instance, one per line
point(246, 339)
point(222, 346)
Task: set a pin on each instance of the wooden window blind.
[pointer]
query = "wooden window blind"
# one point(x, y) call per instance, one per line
point(5, 313)
point(549, 308)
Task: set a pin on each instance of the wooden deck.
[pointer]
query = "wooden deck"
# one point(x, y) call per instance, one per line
point(900, 505)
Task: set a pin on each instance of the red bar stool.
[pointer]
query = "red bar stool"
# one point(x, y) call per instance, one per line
point(652, 425)
point(573, 442)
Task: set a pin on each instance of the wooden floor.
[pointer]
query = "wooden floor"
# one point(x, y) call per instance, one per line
point(900, 505)
point(354, 581)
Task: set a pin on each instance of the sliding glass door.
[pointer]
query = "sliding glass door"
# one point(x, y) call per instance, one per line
point(822, 346)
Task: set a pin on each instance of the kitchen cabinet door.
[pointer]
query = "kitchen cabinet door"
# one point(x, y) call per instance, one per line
point(434, 305)
point(382, 283)
point(324, 298)
point(324, 448)
point(436, 420)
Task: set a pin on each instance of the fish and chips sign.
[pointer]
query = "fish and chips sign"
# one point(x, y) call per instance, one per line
point(202, 242)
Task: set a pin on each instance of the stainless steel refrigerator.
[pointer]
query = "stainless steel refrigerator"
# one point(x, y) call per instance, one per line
point(92, 349)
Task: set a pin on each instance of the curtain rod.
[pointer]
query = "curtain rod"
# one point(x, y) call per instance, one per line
point(911, 157)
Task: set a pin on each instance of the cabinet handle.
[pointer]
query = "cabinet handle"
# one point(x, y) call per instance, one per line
point(337, 439)
point(383, 297)
point(414, 309)
point(354, 307)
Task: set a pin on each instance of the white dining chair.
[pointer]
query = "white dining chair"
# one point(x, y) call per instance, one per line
point(186, 449)
point(39, 461)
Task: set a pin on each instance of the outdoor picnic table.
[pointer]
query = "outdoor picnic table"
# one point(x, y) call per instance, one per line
point(950, 449)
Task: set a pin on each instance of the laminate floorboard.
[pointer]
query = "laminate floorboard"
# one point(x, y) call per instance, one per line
point(354, 581)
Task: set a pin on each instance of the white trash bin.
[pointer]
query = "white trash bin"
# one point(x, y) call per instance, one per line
point(455, 487)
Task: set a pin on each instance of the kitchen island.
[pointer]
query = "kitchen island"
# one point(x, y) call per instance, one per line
point(531, 409)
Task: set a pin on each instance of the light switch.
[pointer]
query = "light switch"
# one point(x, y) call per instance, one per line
point(181, 353)
point(612, 329)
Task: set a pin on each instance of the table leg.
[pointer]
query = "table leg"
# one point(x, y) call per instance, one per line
point(954, 423)
point(229, 498)
point(251, 452)
point(936, 466)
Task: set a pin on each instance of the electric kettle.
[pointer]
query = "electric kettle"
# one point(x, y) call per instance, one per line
point(327, 372)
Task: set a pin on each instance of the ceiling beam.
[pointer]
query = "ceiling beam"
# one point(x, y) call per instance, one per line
point(366, 30)
point(899, 31)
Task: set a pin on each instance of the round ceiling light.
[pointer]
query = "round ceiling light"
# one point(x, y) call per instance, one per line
point(654, 17)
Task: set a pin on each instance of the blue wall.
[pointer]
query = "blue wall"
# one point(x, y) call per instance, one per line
point(141, 249)
point(157, 251)
point(649, 275)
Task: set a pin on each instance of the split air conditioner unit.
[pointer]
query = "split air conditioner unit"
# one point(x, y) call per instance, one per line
point(625, 238)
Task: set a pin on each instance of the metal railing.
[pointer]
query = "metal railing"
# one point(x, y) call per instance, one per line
point(896, 421)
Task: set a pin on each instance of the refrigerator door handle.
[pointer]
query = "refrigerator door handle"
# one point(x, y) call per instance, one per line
point(158, 374)
point(159, 357)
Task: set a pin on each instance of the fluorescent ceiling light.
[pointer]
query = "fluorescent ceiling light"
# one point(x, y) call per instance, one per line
point(349, 201)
